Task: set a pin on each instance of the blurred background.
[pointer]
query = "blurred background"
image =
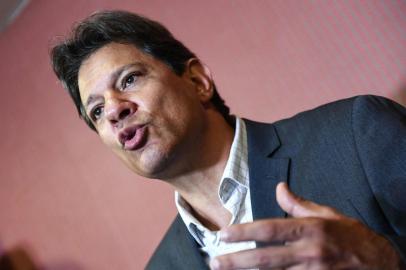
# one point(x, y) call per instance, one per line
point(66, 203)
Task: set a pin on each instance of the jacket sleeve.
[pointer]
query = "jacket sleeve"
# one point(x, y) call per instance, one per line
point(379, 129)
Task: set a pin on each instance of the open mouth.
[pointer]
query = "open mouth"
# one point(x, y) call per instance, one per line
point(133, 138)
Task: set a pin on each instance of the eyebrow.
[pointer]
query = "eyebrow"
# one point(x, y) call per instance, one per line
point(113, 78)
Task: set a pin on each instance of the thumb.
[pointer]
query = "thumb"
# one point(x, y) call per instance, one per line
point(299, 207)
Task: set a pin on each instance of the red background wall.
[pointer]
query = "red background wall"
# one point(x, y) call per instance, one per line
point(68, 203)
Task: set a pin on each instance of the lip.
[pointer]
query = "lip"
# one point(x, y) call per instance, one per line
point(133, 138)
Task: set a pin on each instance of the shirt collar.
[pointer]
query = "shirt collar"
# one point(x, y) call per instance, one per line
point(233, 185)
point(237, 163)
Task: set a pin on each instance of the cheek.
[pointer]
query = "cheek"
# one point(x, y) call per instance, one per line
point(178, 107)
point(108, 139)
point(170, 98)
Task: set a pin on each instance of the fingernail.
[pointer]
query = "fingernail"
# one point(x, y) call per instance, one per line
point(215, 264)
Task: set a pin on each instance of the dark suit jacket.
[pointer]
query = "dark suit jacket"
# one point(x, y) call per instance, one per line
point(350, 154)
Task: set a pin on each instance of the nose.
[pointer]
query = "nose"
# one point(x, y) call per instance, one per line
point(118, 111)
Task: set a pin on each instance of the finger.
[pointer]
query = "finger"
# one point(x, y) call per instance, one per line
point(299, 207)
point(269, 230)
point(269, 258)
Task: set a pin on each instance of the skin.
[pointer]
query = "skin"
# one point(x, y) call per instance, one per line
point(120, 86)
point(182, 146)
point(316, 237)
point(170, 106)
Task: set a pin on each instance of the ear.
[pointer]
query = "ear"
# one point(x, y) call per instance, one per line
point(201, 78)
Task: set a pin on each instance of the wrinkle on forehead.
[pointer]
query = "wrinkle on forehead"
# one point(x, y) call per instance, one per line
point(92, 81)
point(95, 73)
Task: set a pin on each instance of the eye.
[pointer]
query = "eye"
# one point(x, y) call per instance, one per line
point(129, 80)
point(96, 112)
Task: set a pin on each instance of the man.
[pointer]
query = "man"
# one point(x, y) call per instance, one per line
point(156, 106)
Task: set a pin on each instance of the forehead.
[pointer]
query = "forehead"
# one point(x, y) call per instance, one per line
point(95, 73)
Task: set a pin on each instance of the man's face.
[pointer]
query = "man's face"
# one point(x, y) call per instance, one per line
point(150, 117)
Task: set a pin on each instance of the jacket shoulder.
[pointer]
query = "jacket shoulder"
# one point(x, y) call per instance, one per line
point(339, 117)
point(163, 253)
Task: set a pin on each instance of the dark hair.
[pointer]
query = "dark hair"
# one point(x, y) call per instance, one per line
point(105, 27)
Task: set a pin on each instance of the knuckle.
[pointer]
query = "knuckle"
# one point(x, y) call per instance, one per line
point(319, 227)
point(268, 231)
point(318, 253)
point(297, 231)
point(262, 259)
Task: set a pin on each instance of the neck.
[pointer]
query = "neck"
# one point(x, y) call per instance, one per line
point(199, 186)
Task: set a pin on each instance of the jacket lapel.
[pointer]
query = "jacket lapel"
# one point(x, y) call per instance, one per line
point(178, 250)
point(188, 252)
point(265, 170)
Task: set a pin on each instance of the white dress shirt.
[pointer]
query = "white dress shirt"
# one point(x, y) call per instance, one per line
point(234, 195)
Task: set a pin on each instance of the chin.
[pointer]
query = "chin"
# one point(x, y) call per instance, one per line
point(150, 164)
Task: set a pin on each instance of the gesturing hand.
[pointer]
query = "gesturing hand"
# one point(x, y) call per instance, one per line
point(316, 237)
